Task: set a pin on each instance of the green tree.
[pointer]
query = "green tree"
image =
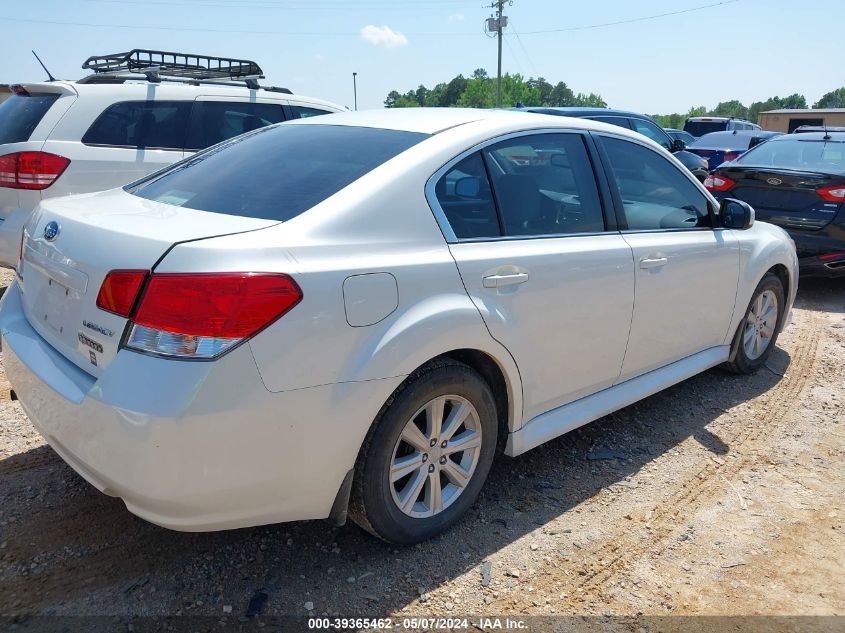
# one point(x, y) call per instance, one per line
point(793, 101)
point(454, 90)
point(479, 93)
point(479, 73)
point(730, 108)
point(833, 99)
point(591, 100)
point(561, 96)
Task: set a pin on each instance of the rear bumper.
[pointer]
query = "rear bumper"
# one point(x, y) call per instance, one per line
point(190, 445)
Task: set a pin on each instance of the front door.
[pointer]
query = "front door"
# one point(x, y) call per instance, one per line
point(686, 272)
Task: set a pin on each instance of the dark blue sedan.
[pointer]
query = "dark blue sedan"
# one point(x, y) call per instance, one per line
point(721, 147)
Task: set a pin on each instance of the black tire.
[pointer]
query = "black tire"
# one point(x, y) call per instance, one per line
point(741, 363)
point(371, 504)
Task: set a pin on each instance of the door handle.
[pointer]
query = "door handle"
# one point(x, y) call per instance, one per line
point(510, 279)
point(653, 262)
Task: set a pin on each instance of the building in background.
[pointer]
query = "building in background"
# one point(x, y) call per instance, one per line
point(788, 120)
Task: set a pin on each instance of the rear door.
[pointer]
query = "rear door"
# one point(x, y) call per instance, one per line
point(686, 272)
point(551, 279)
point(110, 143)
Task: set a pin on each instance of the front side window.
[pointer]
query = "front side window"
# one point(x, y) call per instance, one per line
point(20, 114)
point(141, 124)
point(650, 130)
point(216, 121)
point(275, 173)
point(544, 185)
point(655, 194)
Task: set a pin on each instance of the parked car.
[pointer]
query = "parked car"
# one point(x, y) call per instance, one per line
point(354, 311)
point(116, 125)
point(701, 125)
point(686, 137)
point(817, 128)
point(721, 147)
point(796, 181)
point(641, 123)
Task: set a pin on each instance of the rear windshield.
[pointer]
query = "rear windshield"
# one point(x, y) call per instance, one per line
point(275, 173)
point(799, 154)
point(19, 116)
point(700, 128)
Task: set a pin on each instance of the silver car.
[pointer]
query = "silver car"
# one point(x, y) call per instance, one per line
point(357, 313)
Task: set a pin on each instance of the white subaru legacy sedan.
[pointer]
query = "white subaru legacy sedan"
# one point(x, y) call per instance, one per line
point(356, 313)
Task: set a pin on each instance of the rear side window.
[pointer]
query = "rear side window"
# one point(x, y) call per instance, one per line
point(613, 120)
point(275, 173)
point(141, 124)
point(303, 112)
point(655, 194)
point(544, 185)
point(465, 196)
point(19, 116)
point(216, 121)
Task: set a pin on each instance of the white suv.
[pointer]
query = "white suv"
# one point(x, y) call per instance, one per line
point(138, 112)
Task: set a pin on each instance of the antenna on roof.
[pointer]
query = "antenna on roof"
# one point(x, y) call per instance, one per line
point(49, 76)
point(826, 136)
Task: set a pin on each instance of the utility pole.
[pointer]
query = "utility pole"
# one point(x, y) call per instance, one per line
point(355, 88)
point(497, 24)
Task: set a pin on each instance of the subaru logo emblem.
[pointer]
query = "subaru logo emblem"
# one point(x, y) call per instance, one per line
point(51, 231)
point(774, 181)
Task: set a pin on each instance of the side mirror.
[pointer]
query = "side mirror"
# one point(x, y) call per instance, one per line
point(678, 145)
point(736, 214)
point(468, 187)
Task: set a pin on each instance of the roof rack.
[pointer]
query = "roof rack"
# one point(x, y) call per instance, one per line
point(159, 66)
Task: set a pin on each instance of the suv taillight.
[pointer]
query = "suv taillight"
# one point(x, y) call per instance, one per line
point(31, 170)
point(199, 315)
point(836, 193)
point(715, 182)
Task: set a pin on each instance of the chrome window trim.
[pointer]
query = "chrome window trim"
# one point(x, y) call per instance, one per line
point(440, 215)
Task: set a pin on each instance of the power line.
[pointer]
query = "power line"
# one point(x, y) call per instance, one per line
point(142, 27)
point(631, 20)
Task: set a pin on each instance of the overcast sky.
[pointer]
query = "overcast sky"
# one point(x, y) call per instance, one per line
point(742, 49)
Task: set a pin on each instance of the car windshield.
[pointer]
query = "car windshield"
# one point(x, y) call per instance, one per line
point(275, 173)
point(799, 154)
point(700, 128)
point(20, 114)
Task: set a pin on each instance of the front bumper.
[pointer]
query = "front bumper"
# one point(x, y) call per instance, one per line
point(191, 446)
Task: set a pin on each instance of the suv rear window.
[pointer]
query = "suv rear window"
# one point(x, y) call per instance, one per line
point(700, 128)
point(141, 124)
point(19, 116)
point(275, 173)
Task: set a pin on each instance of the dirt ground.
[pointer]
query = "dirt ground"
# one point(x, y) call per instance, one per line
point(722, 495)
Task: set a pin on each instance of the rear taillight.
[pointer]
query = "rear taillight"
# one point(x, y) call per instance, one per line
point(119, 291)
point(31, 170)
point(201, 315)
point(835, 193)
point(728, 156)
point(715, 182)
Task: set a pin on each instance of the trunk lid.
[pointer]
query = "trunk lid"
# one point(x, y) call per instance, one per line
point(784, 197)
point(60, 278)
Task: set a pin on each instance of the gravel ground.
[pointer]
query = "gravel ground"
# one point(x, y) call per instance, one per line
point(722, 495)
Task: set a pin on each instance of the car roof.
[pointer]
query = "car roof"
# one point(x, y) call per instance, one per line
point(582, 112)
point(131, 89)
point(837, 137)
point(437, 120)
